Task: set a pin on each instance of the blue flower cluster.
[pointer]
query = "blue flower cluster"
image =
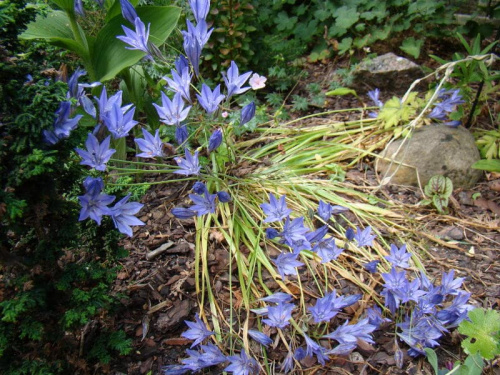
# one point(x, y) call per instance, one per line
point(210, 355)
point(298, 237)
point(95, 205)
point(431, 309)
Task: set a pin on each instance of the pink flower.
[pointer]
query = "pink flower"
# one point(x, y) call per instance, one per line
point(257, 82)
point(224, 114)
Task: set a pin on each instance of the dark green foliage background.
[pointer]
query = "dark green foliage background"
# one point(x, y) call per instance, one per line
point(56, 272)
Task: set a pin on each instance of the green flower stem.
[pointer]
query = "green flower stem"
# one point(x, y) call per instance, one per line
point(81, 39)
point(139, 163)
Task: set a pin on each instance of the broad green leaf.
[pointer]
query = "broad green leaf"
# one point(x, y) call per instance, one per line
point(67, 5)
point(55, 28)
point(483, 330)
point(412, 46)
point(432, 358)
point(345, 45)
point(488, 165)
point(110, 55)
point(342, 91)
point(395, 112)
point(346, 17)
point(473, 365)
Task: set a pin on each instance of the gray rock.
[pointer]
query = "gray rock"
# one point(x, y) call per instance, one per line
point(392, 72)
point(432, 150)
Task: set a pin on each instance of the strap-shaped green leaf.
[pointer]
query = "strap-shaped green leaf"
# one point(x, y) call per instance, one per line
point(109, 55)
point(55, 28)
point(67, 5)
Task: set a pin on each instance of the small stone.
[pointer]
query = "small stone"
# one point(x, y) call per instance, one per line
point(431, 150)
point(390, 72)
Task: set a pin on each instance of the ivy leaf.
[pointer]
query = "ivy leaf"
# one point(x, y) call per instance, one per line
point(483, 330)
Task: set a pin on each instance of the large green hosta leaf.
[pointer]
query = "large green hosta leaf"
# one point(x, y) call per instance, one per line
point(109, 55)
point(56, 29)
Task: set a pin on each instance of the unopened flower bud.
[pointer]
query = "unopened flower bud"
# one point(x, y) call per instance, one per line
point(215, 140)
point(247, 113)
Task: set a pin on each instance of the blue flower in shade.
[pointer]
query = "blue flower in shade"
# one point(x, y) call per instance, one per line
point(410, 291)
point(374, 316)
point(242, 364)
point(175, 370)
point(328, 306)
point(326, 210)
point(278, 297)
point(349, 234)
point(342, 349)
point(181, 134)
point(260, 337)
point(96, 155)
point(215, 140)
point(276, 210)
point(200, 9)
point(128, 11)
point(77, 91)
point(286, 264)
point(234, 81)
point(123, 215)
point(63, 125)
point(151, 146)
point(95, 206)
point(78, 7)
point(195, 39)
point(449, 285)
point(138, 39)
point(399, 257)
point(452, 315)
point(209, 99)
point(199, 188)
point(327, 250)
point(371, 266)
point(203, 204)
point(247, 113)
point(349, 334)
point(197, 331)
point(93, 185)
point(210, 356)
point(374, 96)
point(183, 213)
point(180, 83)
point(181, 63)
point(105, 105)
point(172, 112)
point(364, 237)
point(294, 231)
point(317, 235)
point(323, 310)
point(419, 334)
point(394, 281)
point(188, 165)
point(118, 123)
point(287, 364)
point(223, 196)
point(279, 315)
point(313, 348)
point(271, 233)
